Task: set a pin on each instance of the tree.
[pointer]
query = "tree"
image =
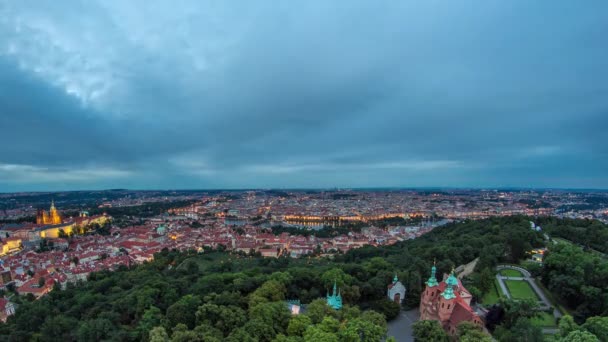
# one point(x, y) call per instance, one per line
point(365, 330)
point(388, 308)
point(270, 291)
point(597, 326)
point(429, 331)
point(259, 330)
point(95, 330)
point(151, 318)
point(317, 310)
point(158, 334)
point(486, 280)
point(57, 328)
point(522, 331)
point(298, 324)
point(567, 325)
point(316, 334)
point(470, 332)
point(274, 315)
point(224, 318)
point(184, 311)
point(516, 309)
point(580, 336)
point(335, 275)
point(240, 335)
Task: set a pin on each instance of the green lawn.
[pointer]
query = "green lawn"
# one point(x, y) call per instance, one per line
point(511, 273)
point(545, 320)
point(492, 296)
point(520, 289)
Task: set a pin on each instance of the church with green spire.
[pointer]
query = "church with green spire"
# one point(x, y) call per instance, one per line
point(335, 299)
point(447, 302)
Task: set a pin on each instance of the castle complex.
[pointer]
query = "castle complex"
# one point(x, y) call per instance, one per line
point(50, 217)
point(448, 302)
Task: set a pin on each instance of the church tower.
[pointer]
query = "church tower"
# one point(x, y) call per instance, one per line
point(54, 217)
point(446, 300)
point(427, 307)
point(335, 300)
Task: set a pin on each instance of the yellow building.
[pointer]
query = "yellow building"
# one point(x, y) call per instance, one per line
point(52, 232)
point(10, 245)
point(52, 217)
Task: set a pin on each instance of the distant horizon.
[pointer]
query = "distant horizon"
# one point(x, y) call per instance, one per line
point(438, 188)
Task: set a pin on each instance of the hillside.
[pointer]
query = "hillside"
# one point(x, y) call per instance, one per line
point(215, 294)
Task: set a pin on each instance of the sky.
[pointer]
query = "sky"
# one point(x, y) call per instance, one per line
point(302, 94)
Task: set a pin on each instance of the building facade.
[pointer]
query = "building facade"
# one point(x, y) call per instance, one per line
point(396, 291)
point(50, 217)
point(448, 302)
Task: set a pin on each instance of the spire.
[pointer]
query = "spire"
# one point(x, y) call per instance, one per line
point(334, 293)
point(450, 282)
point(395, 279)
point(52, 204)
point(448, 293)
point(433, 279)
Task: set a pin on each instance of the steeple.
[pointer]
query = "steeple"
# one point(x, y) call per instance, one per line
point(52, 205)
point(335, 299)
point(450, 282)
point(433, 279)
point(395, 279)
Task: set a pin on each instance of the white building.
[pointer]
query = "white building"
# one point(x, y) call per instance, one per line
point(396, 291)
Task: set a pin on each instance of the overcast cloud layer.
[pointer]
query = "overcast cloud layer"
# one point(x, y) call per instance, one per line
point(217, 94)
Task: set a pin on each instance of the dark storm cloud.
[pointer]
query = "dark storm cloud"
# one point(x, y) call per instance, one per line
point(318, 94)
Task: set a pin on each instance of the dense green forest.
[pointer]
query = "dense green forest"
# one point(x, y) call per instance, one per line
point(185, 296)
point(586, 233)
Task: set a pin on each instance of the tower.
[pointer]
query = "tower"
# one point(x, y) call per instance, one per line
point(427, 301)
point(335, 300)
point(54, 217)
point(446, 300)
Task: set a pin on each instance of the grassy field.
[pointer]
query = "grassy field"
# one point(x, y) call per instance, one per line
point(492, 296)
point(511, 273)
point(520, 289)
point(545, 320)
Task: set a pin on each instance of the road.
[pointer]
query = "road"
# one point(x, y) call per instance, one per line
point(401, 327)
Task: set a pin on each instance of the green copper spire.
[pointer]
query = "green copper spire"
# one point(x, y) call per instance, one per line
point(448, 293)
point(395, 279)
point(335, 300)
point(452, 281)
point(432, 280)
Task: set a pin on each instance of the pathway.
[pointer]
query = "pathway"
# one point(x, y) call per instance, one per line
point(546, 304)
point(401, 327)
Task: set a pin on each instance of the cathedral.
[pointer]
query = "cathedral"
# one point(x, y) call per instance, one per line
point(50, 217)
point(448, 302)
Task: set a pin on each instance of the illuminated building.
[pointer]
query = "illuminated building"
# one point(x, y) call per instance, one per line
point(50, 217)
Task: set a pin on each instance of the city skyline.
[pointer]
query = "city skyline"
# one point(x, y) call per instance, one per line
point(103, 95)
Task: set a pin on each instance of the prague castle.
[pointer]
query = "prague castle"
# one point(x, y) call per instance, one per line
point(50, 217)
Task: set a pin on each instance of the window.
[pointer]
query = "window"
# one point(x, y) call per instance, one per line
point(448, 306)
point(442, 305)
